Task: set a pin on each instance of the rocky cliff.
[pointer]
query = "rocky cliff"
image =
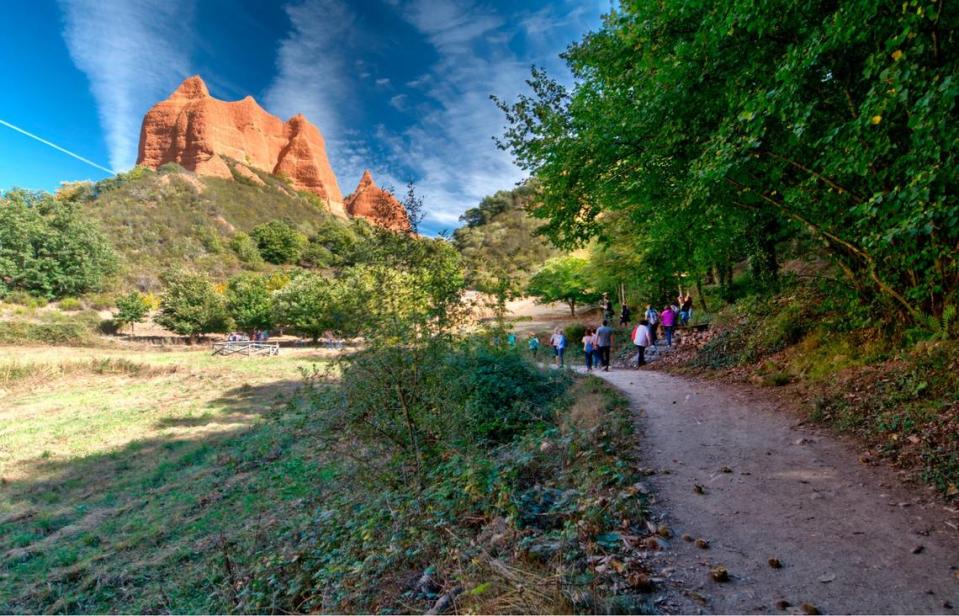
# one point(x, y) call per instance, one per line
point(379, 206)
point(200, 132)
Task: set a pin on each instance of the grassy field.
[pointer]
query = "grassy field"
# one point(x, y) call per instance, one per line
point(127, 477)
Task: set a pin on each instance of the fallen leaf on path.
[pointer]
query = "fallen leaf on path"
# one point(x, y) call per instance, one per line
point(782, 604)
point(719, 573)
point(918, 549)
point(825, 579)
point(702, 544)
point(640, 581)
point(775, 564)
point(663, 531)
point(687, 537)
point(698, 489)
point(726, 469)
point(952, 490)
point(809, 608)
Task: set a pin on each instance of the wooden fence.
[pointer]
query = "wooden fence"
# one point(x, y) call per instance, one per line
point(246, 348)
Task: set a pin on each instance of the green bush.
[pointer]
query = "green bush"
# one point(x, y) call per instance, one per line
point(70, 304)
point(246, 249)
point(278, 242)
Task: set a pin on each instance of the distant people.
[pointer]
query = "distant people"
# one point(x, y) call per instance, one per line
point(589, 347)
point(624, 316)
point(558, 342)
point(607, 307)
point(641, 339)
point(668, 318)
point(511, 340)
point(533, 345)
point(686, 310)
point(604, 342)
point(652, 317)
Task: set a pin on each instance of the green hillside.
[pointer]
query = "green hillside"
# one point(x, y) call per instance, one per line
point(171, 217)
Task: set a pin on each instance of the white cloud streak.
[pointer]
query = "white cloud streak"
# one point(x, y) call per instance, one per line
point(312, 76)
point(131, 52)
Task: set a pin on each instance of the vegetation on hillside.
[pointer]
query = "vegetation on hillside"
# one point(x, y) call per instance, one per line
point(499, 242)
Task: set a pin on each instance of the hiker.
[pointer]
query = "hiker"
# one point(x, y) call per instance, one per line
point(604, 341)
point(558, 342)
point(686, 310)
point(641, 339)
point(589, 347)
point(533, 345)
point(511, 340)
point(607, 307)
point(652, 317)
point(624, 316)
point(668, 319)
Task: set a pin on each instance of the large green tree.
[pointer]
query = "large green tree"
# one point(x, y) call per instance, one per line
point(564, 279)
point(191, 306)
point(50, 249)
point(308, 306)
point(838, 119)
point(249, 302)
point(278, 242)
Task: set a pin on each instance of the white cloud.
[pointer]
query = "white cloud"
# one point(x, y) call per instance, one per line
point(451, 147)
point(398, 102)
point(383, 82)
point(312, 73)
point(134, 54)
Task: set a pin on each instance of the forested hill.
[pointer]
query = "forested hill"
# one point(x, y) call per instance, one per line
point(156, 221)
point(499, 243)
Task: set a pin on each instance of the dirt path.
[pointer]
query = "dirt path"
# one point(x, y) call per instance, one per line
point(851, 538)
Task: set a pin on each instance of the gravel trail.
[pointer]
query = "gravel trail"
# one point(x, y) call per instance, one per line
point(851, 538)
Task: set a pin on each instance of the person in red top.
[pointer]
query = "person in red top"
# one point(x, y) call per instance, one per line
point(668, 318)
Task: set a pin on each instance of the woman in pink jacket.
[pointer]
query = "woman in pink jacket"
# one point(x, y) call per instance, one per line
point(668, 318)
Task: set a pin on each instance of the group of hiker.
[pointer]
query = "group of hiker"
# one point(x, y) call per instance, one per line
point(597, 342)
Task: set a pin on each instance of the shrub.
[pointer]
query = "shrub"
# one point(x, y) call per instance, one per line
point(278, 242)
point(246, 249)
point(70, 304)
point(131, 309)
point(249, 302)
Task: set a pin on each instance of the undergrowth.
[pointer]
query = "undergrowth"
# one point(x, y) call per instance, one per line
point(539, 511)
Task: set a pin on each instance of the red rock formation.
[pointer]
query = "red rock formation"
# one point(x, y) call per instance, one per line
point(197, 131)
point(377, 205)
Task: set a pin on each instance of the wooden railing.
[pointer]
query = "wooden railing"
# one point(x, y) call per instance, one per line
point(246, 348)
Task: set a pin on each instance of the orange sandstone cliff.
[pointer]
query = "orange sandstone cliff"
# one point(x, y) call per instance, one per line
point(197, 131)
point(377, 205)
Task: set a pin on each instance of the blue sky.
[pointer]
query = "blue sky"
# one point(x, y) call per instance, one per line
point(398, 86)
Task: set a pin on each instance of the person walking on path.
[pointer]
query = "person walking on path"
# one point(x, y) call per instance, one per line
point(558, 342)
point(652, 317)
point(604, 342)
point(589, 346)
point(686, 310)
point(533, 345)
point(624, 316)
point(641, 339)
point(668, 319)
point(607, 307)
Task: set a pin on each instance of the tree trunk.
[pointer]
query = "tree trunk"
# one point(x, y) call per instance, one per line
point(702, 296)
point(572, 307)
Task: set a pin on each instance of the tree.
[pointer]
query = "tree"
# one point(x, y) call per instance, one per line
point(131, 309)
point(278, 242)
point(50, 249)
point(308, 305)
point(191, 306)
point(249, 302)
point(563, 279)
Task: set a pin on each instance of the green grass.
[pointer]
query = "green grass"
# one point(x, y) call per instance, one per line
point(129, 477)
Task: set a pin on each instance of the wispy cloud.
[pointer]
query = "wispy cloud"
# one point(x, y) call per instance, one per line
point(131, 53)
point(450, 148)
point(312, 75)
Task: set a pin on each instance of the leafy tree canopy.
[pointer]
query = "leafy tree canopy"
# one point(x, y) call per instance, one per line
point(564, 279)
point(278, 242)
point(737, 120)
point(131, 309)
point(249, 302)
point(50, 249)
point(191, 305)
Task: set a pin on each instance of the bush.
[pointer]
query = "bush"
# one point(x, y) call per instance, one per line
point(191, 306)
point(246, 249)
point(70, 304)
point(278, 242)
